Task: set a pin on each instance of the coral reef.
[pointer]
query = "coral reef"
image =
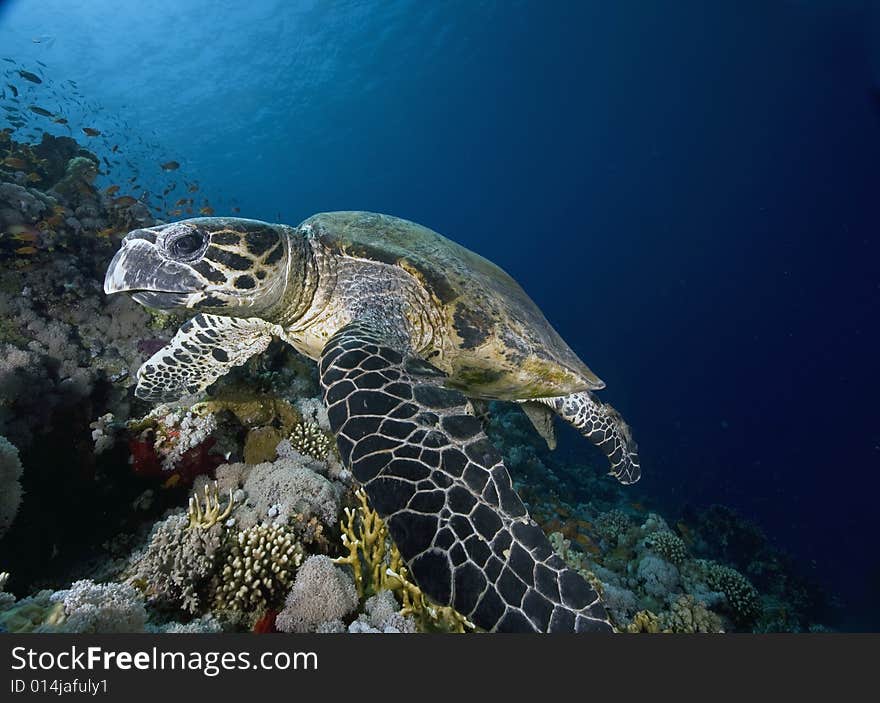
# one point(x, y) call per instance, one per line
point(98, 608)
point(278, 491)
point(222, 512)
point(742, 597)
point(178, 565)
point(10, 486)
point(259, 568)
point(308, 438)
point(668, 546)
point(322, 592)
point(377, 566)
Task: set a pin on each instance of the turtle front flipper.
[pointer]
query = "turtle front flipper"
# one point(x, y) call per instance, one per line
point(604, 427)
point(443, 489)
point(203, 349)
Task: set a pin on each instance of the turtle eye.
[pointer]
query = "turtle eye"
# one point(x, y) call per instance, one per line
point(187, 246)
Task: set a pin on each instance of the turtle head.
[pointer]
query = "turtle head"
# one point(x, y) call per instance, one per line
point(225, 266)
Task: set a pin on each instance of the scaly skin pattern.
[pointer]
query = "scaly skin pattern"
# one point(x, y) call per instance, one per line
point(445, 493)
point(203, 349)
point(604, 427)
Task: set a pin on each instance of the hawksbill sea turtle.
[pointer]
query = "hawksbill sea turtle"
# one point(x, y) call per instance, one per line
point(408, 328)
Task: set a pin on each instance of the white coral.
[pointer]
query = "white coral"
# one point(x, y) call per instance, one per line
point(100, 608)
point(10, 487)
point(321, 592)
point(658, 577)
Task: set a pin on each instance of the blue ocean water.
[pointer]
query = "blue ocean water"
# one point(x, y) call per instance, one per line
point(689, 190)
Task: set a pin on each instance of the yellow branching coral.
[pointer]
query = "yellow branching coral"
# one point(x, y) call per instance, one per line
point(365, 536)
point(428, 616)
point(646, 621)
point(376, 565)
point(211, 514)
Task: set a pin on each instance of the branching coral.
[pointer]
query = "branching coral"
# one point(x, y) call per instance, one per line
point(645, 622)
point(741, 595)
point(177, 567)
point(308, 438)
point(259, 568)
point(613, 525)
point(428, 616)
point(377, 565)
point(211, 514)
point(687, 614)
point(668, 545)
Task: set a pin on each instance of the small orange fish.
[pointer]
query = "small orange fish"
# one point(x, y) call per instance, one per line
point(124, 201)
point(106, 232)
point(15, 162)
point(176, 212)
point(189, 211)
point(28, 236)
point(89, 132)
point(111, 190)
point(192, 187)
point(34, 177)
point(206, 211)
point(180, 202)
point(170, 166)
point(26, 251)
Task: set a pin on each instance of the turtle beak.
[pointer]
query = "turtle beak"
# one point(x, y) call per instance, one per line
point(138, 268)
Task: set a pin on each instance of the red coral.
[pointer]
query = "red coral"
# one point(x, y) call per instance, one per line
point(147, 463)
point(266, 624)
point(197, 461)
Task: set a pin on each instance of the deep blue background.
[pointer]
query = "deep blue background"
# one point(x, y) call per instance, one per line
point(689, 190)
